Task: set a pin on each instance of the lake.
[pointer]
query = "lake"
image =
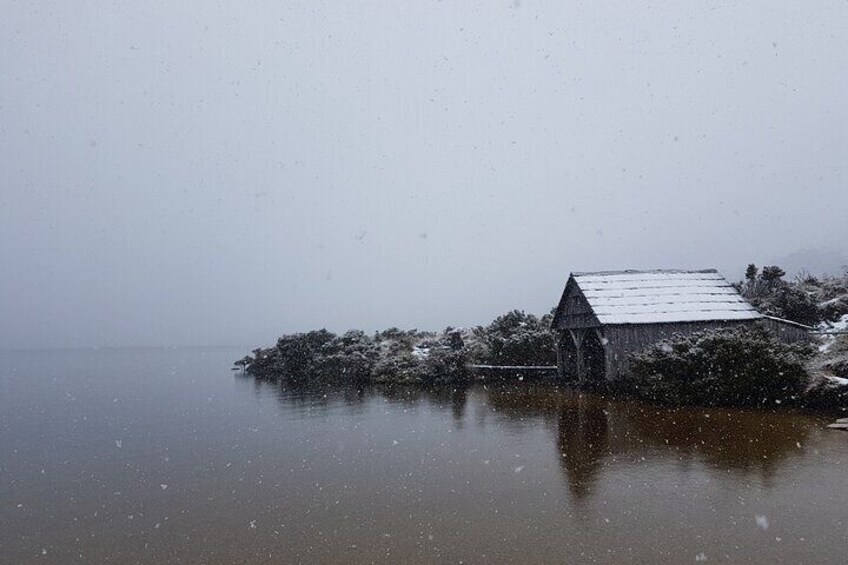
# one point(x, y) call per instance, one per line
point(165, 455)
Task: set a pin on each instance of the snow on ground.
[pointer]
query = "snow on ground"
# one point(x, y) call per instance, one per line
point(828, 340)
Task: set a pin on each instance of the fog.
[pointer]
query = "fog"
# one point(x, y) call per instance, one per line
point(177, 173)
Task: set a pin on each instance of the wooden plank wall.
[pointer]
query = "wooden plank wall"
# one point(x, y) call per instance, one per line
point(576, 312)
point(786, 332)
point(623, 340)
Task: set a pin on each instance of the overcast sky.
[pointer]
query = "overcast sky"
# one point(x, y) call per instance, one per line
point(219, 173)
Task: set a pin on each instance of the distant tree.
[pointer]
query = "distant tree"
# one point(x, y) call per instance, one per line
point(454, 338)
point(772, 274)
point(771, 295)
point(751, 273)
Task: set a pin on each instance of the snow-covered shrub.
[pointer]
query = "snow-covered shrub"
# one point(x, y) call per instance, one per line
point(261, 364)
point(833, 352)
point(516, 338)
point(400, 354)
point(838, 366)
point(831, 295)
point(316, 356)
point(398, 368)
point(429, 359)
point(807, 299)
point(772, 295)
point(297, 354)
point(349, 358)
point(729, 367)
point(404, 357)
point(827, 393)
point(443, 365)
point(834, 308)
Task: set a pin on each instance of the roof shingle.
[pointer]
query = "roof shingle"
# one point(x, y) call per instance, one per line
point(647, 297)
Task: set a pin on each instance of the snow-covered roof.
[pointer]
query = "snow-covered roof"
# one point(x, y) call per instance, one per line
point(648, 297)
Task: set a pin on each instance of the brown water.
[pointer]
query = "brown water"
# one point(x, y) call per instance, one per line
point(152, 456)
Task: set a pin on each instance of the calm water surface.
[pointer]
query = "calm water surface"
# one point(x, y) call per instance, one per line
point(164, 455)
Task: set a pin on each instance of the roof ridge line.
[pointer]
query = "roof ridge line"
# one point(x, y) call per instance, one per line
point(643, 272)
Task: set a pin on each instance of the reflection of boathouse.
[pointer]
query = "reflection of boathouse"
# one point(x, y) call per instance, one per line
point(603, 317)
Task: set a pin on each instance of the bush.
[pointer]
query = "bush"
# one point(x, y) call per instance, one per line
point(297, 354)
point(405, 357)
point(833, 357)
point(831, 294)
point(771, 295)
point(729, 367)
point(398, 360)
point(313, 356)
point(432, 361)
point(833, 309)
point(347, 358)
point(442, 366)
point(401, 368)
point(516, 338)
point(392, 356)
point(838, 366)
point(792, 303)
point(827, 394)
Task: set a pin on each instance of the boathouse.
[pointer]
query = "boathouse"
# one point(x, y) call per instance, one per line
point(603, 317)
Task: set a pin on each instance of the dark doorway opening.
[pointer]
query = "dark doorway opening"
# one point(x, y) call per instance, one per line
point(568, 356)
point(594, 357)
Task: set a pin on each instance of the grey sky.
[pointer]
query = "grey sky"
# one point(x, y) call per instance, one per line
point(196, 172)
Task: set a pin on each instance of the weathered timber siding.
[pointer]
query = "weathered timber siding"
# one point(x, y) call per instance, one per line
point(624, 340)
point(575, 311)
point(787, 332)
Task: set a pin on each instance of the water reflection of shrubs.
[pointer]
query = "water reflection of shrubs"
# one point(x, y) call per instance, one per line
point(590, 432)
point(729, 440)
point(319, 398)
point(593, 431)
